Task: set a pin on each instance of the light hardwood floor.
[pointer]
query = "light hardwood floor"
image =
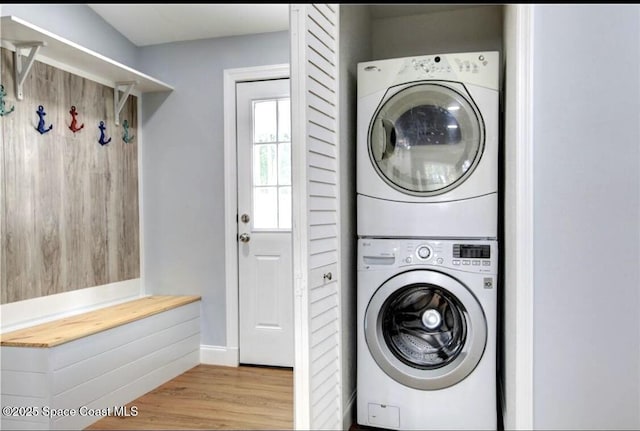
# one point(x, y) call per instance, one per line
point(214, 397)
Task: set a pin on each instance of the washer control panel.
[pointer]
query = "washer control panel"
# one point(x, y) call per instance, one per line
point(464, 255)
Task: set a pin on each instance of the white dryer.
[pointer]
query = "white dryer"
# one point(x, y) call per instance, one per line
point(427, 146)
point(426, 342)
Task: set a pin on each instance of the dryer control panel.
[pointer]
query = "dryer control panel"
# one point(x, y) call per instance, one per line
point(477, 256)
point(477, 68)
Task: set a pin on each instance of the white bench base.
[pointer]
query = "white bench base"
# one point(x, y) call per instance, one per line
point(102, 371)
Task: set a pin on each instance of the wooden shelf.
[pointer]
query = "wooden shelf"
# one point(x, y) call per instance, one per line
point(51, 334)
point(75, 58)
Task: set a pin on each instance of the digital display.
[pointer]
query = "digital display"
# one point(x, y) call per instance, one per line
point(467, 251)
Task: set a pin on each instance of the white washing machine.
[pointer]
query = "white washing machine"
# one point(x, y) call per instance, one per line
point(427, 146)
point(427, 334)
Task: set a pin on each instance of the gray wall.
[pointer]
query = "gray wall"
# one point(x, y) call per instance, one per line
point(355, 46)
point(182, 155)
point(471, 29)
point(80, 24)
point(586, 89)
point(183, 175)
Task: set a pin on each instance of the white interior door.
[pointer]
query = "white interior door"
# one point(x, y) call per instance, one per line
point(264, 223)
point(316, 221)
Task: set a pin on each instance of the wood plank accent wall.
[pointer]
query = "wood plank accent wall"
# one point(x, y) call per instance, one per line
point(68, 206)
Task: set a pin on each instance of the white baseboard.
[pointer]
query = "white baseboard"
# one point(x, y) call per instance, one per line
point(19, 314)
point(349, 416)
point(219, 355)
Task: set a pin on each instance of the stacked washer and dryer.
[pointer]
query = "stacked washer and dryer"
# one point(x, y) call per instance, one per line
point(427, 214)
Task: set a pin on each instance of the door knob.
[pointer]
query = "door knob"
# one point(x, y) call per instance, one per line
point(244, 237)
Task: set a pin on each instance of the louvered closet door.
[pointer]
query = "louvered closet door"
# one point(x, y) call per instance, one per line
point(314, 72)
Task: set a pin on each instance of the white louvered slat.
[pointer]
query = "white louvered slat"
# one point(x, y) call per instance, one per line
point(320, 160)
point(322, 175)
point(324, 401)
point(322, 405)
point(325, 365)
point(318, 260)
point(319, 218)
point(326, 417)
point(323, 334)
point(324, 389)
point(322, 189)
point(314, 30)
point(319, 257)
point(320, 104)
point(318, 203)
point(318, 32)
point(328, 357)
point(322, 62)
point(322, 245)
point(319, 307)
point(323, 318)
point(320, 75)
point(318, 89)
point(323, 231)
point(324, 357)
point(328, 9)
point(317, 293)
point(321, 119)
point(320, 133)
point(320, 47)
point(322, 147)
point(322, 349)
point(324, 18)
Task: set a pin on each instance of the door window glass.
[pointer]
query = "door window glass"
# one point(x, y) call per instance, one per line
point(425, 139)
point(271, 164)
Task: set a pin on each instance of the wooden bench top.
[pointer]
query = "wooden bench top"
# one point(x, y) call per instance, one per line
point(71, 328)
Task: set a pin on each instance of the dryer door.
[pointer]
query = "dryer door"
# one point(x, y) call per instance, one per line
point(425, 329)
point(426, 138)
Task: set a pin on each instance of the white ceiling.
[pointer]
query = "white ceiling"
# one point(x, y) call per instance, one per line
point(152, 24)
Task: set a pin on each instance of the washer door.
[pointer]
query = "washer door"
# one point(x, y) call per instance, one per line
point(425, 329)
point(426, 138)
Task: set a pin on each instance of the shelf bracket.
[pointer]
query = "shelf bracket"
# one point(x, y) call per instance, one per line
point(118, 100)
point(22, 69)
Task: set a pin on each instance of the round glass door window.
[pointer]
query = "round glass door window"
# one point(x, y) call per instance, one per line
point(424, 326)
point(426, 139)
point(425, 329)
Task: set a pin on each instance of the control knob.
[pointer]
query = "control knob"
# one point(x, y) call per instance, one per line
point(424, 252)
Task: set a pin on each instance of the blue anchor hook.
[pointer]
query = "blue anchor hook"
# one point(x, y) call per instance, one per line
point(102, 141)
point(3, 110)
point(41, 115)
point(125, 137)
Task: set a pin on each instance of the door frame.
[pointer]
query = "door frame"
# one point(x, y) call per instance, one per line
point(519, 217)
point(231, 355)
